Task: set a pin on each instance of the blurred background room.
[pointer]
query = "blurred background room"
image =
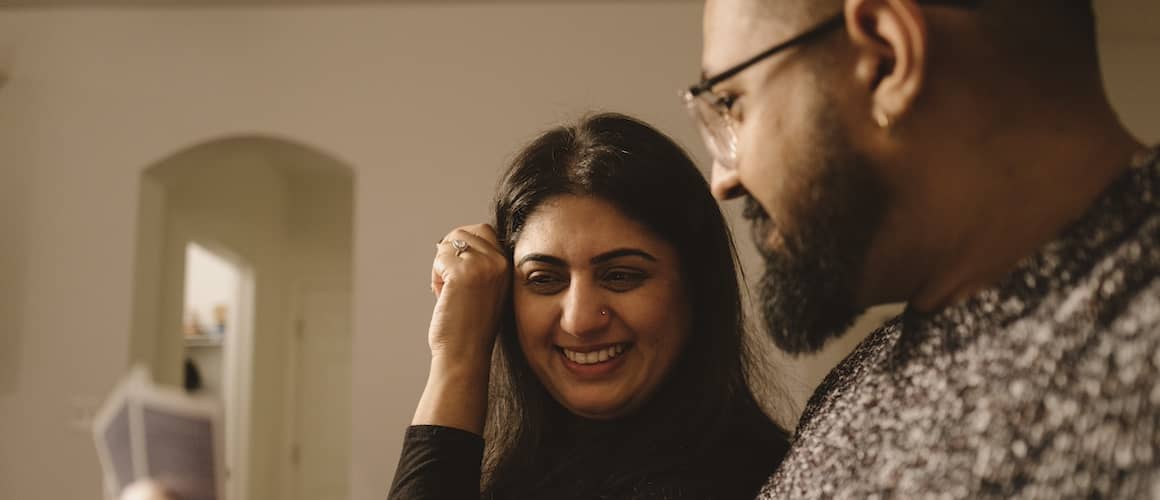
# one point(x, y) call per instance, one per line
point(243, 196)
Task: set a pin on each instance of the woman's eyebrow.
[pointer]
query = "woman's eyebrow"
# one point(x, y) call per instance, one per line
point(544, 258)
point(622, 252)
point(599, 259)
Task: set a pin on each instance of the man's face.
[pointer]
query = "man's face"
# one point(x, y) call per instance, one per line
point(813, 200)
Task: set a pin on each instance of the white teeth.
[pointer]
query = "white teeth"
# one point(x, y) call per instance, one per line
point(590, 358)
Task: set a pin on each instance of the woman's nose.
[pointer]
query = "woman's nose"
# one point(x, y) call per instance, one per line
point(585, 311)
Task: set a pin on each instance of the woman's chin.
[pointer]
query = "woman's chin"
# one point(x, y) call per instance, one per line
point(596, 408)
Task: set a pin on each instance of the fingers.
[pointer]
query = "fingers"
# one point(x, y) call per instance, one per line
point(471, 281)
point(486, 232)
point(445, 258)
point(480, 237)
point(488, 261)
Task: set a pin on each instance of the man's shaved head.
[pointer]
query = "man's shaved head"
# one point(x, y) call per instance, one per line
point(796, 10)
point(1038, 32)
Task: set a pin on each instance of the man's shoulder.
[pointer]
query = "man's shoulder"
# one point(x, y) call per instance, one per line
point(1046, 386)
point(1067, 390)
point(1122, 291)
point(869, 354)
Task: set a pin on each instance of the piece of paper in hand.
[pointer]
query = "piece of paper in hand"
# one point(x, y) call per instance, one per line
point(148, 432)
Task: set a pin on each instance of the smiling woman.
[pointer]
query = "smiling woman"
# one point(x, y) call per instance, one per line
point(610, 282)
point(601, 311)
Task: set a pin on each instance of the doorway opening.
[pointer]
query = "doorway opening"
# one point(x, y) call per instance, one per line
point(243, 294)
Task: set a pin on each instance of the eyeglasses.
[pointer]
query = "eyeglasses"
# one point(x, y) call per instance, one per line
point(711, 111)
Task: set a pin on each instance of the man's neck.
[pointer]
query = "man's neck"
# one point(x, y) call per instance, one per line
point(1018, 191)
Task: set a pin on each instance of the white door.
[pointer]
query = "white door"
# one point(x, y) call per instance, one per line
point(320, 441)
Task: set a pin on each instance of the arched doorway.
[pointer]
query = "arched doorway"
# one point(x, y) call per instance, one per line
point(243, 282)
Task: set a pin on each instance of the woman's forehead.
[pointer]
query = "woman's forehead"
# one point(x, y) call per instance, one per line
point(581, 227)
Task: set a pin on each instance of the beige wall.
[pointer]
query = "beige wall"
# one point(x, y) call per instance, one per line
point(426, 103)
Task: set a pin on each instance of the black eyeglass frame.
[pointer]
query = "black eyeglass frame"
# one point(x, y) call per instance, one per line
point(707, 84)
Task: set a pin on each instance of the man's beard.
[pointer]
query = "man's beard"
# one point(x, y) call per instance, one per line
point(807, 292)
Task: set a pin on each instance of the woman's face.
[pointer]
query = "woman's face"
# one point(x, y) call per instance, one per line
point(601, 310)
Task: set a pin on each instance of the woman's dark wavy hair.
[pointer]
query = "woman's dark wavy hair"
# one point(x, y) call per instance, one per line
point(649, 178)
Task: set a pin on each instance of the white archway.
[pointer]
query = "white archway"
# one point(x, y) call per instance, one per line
point(279, 216)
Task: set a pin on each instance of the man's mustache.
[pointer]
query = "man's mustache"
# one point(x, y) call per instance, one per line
point(753, 210)
point(760, 224)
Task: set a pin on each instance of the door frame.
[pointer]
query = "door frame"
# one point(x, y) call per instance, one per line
point(295, 324)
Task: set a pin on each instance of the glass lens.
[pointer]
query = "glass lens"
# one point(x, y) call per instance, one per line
point(716, 129)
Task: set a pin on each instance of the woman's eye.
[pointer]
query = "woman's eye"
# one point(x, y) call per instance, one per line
point(545, 283)
point(623, 280)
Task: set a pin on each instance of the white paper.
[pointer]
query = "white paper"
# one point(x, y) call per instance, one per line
point(144, 431)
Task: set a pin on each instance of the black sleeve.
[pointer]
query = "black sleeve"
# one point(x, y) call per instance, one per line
point(438, 463)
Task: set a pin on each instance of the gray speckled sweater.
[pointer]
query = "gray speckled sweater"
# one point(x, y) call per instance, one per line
point(1042, 386)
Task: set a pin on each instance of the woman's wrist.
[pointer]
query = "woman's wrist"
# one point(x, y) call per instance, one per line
point(461, 358)
point(456, 393)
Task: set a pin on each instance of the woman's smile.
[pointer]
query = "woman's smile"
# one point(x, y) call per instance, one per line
point(595, 362)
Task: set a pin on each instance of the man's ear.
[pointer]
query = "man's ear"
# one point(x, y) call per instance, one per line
point(890, 41)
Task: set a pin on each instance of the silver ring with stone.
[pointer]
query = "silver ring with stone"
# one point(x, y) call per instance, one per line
point(460, 246)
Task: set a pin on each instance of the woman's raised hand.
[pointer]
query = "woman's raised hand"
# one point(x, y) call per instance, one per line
point(470, 278)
